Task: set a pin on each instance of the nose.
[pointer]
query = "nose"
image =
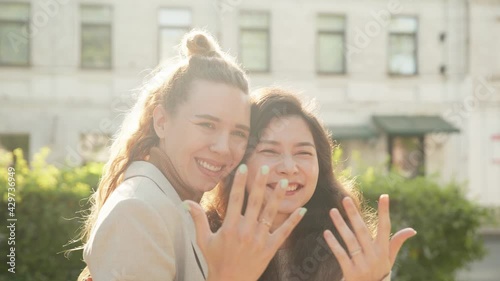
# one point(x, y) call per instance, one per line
point(287, 166)
point(220, 144)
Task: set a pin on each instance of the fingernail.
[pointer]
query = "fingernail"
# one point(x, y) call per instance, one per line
point(242, 169)
point(302, 211)
point(283, 183)
point(384, 196)
point(414, 232)
point(264, 170)
point(186, 206)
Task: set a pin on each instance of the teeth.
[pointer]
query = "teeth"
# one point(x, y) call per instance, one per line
point(292, 187)
point(209, 167)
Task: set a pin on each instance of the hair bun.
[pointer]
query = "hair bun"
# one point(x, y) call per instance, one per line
point(199, 43)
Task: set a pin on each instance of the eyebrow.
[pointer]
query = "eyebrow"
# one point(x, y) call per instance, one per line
point(305, 143)
point(215, 119)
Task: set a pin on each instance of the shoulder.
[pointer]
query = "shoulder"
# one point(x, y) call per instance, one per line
point(143, 181)
point(126, 215)
point(130, 217)
point(138, 190)
point(130, 238)
point(139, 198)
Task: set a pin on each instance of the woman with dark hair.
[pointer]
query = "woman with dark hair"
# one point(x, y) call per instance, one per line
point(288, 137)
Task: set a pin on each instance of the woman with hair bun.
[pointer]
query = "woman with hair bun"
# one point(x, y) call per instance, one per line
point(182, 137)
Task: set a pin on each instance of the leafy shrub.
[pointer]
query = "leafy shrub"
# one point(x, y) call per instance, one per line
point(48, 200)
point(446, 221)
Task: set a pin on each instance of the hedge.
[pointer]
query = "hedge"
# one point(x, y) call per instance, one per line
point(447, 222)
point(48, 204)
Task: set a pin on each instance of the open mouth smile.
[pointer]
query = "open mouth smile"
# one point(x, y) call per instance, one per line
point(210, 167)
point(291, 189)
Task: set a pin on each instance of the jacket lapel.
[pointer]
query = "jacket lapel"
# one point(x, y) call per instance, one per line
point(142, 168)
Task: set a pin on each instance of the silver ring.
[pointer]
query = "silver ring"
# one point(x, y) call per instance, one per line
point(264, 222)
point(355, 252)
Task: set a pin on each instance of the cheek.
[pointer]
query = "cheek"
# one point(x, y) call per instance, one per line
point(315, 171)
point(312, 170)
point(253, 169)
point(238, 149)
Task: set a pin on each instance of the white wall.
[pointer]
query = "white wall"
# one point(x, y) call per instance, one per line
point(55, 100)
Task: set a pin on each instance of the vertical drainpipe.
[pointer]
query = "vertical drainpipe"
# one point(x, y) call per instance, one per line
point(467, 37)
point(218, 23)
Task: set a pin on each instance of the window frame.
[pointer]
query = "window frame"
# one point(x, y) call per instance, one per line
point(415, 53)
point(421, 171)
point(254, 29)
point(110, 24)
point(162, 27)
point(344, 44)
point(86, 137)
point(28, 38)
point(27, 135)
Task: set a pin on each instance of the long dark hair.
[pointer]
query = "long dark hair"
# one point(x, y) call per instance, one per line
point(310, 257)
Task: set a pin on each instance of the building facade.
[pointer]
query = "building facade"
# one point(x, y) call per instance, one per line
point(413, 80)
point(413, 84)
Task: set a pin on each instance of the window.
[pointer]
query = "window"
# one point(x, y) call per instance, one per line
point(486, 268)
point(403, 46)
point(407, 155)
point(173, 24)
point(495, 148)
point(330, 44)
point(10, 142)
point(96, 36)
point(93, 147)
point(14, 34)
point(254, 41)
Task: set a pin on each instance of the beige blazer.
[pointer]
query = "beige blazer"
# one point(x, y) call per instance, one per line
point(143, 233)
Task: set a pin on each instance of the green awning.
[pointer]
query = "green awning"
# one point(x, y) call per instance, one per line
point(413, 125)
point(352, 132)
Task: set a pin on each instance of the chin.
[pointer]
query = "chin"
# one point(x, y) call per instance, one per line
point(205, 187)
point(288, 209)
point(209, 188)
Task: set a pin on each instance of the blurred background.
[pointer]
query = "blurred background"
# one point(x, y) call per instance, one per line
point(409, 87)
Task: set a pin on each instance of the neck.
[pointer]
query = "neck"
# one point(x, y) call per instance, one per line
point(161, 160)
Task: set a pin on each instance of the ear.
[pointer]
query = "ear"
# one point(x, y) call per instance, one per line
point(160, 120)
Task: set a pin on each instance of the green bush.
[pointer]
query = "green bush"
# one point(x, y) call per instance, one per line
point(447, 223)
point(48, 202)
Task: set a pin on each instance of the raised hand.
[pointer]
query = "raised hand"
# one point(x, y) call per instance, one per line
point(243, 247)
point(368, 259)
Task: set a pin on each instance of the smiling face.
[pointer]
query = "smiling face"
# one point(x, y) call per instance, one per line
point(287, 147)
point(206, 137)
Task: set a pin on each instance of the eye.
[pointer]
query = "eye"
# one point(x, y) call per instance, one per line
point(305, 153)
point(240, 134)
point(268, 151)
point(207, 125)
